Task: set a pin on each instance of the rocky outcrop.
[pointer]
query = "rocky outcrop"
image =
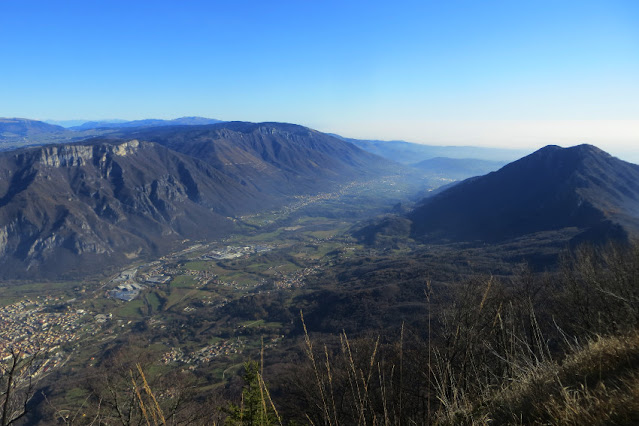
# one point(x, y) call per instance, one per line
point(66, 156)
point(78, 155)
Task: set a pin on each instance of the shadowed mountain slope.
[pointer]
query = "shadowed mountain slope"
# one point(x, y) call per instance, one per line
point(551, 189)
point(275, 158)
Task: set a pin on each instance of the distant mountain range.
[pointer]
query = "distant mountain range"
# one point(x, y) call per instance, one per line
point(458, 168)
point(21, 132)
point(74, 123)
point(554, 188)
point(274, 158)
point(118, 124)
point(68, 209)
point(412, 153)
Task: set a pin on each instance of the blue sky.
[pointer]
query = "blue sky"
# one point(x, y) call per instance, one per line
point(520, 73)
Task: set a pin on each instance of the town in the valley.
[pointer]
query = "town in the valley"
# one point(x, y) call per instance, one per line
point(80, 316)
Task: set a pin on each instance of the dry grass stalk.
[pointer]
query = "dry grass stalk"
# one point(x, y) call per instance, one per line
point(140, 401)
point(157, 410)
point(311, 356)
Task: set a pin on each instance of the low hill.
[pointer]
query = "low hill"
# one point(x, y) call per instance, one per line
point(580, 187)
point(21, 131)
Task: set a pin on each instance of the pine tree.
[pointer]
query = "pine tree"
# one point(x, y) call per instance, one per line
point(254, 409)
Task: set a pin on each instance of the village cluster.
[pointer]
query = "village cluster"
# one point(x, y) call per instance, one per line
point(30, 327)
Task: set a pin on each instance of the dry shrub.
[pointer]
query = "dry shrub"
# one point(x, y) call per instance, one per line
point(598, 384)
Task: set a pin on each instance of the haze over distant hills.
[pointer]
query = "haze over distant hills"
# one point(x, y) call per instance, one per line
point(458, 168)
point(73, 123)
point(554, 188)
point(21, 132)
point(117, 123)
point(411, 153)
point(183, 121)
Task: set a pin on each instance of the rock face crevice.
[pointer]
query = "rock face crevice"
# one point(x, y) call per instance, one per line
point(20, 181)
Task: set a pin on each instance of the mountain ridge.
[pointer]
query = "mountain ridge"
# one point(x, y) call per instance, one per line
point(553, 188)
point(274, 157)
point(72, 206)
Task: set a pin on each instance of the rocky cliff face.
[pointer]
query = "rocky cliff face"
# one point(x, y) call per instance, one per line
point(66, 208)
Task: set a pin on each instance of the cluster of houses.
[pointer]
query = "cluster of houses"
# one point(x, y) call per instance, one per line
point(27, 326)
point(207, 353)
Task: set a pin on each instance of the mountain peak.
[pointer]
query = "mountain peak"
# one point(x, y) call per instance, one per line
point(583, 149)
point(550, 189)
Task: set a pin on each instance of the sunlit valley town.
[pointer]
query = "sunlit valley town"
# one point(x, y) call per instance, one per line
point(201, 275)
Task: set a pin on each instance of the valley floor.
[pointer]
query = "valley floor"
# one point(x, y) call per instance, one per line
point(398, 332)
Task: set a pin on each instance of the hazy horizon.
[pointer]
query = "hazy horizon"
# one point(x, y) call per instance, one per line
point(515, 134)
point(484, 74)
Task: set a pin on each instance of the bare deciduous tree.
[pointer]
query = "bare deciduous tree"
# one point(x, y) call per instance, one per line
point(18, 377)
